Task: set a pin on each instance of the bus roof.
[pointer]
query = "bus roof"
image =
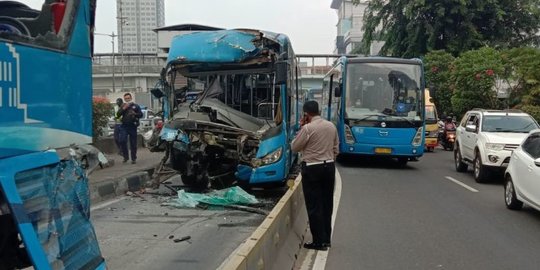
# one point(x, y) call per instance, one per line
point(226, 46)
point(380, 59)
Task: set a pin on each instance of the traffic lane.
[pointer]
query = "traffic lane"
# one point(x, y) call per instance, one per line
point(137, 234)
point(413, 218)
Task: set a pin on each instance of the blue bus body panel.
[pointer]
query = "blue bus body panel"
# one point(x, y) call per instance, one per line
point(383, 136)
point(223, 46)
point(367, 139)
point(275, 172)
point(49, 201)
point(45, 95)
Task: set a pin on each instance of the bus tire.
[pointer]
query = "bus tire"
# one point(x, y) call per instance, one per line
point(402, 161)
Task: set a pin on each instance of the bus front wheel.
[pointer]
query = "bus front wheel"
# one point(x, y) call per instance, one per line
point(402, 161)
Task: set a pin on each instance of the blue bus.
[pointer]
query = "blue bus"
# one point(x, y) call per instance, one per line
point(45, 107)
point(377, 105)
point(240, 126)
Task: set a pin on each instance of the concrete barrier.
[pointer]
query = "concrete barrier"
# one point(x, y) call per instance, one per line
point(108, 146)
point(277, 241)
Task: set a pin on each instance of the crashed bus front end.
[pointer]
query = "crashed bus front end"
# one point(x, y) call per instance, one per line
point(237, 129)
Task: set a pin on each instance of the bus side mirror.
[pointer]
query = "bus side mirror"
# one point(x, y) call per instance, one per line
point(337, 90)
point(282, 70)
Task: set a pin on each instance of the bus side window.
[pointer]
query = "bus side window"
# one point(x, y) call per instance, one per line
point(20, 23)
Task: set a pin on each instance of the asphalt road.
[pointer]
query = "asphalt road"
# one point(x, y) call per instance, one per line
point(136, 233)
point(416, 218)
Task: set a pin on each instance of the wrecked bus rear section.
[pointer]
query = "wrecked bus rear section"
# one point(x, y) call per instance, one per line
point(241, 125)
point(45, 112)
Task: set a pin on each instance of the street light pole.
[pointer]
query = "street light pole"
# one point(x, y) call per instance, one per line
point(112, 35)
point(121, 21)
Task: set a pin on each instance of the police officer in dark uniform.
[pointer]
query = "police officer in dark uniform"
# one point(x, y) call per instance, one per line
point(130, 114)
point(319, 144)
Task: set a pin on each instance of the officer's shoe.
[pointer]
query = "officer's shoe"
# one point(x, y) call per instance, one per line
point(327, 245)
point(315, 246)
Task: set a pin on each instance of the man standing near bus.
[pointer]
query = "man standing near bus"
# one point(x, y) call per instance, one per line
point(130, 114)
point(318, 141)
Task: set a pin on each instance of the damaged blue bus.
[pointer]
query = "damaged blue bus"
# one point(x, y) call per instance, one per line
point(241, 125)
point(45, 111)
point(377, 105)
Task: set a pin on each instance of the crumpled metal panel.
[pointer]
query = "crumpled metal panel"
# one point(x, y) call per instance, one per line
point(57, 201)
point(225, 46)
point(50, 202)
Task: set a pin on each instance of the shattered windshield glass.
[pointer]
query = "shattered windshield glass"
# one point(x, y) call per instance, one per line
point(250, 97)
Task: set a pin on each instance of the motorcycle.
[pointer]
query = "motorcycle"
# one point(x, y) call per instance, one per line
point(448, 137)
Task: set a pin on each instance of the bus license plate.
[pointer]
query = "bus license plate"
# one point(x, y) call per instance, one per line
point(383, 151)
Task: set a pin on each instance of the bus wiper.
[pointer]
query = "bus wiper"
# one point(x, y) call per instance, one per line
point(404, 118)
point(368, 116)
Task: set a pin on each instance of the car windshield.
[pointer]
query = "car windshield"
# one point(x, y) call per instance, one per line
point(391, 90)
point(508, 123)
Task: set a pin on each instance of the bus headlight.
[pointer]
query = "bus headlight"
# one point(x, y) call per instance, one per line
point(268, 159)
point(349, 137)
point(417, 141)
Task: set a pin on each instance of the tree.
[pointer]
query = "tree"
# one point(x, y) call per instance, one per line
point(475, 74)
point(410, 28)
point(439, 66)
point(102, 109)
point(523, 68)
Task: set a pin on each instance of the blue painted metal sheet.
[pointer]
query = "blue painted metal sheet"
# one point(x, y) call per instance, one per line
point(225, 46)
point(50, 202)
point(46, 95)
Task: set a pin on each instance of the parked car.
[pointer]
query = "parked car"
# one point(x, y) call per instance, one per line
point(486, 138)
point(522, 178)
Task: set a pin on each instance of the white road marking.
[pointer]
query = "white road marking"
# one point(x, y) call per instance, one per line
point(105, 204)
point(322, 256)
point(461, 184)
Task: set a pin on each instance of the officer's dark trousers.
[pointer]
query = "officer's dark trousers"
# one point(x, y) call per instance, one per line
point(318, 184)
point(129, 134)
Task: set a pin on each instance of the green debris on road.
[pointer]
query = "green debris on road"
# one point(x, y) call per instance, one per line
point(224, 197)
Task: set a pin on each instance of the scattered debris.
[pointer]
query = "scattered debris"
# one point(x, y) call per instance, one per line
point(224, 197)
point(178, 240)
point(171, 236)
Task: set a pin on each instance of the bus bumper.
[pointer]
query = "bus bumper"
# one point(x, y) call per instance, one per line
point(267, 174)
point(383, 150)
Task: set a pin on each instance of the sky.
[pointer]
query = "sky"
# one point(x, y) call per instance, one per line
point(310, 24)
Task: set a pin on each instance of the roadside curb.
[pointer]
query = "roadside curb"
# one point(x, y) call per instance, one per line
point(275, 244)
point(116, 186)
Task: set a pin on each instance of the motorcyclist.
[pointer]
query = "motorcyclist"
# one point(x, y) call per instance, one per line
point(449, 124)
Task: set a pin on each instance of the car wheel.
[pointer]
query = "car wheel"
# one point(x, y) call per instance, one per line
point(510, 198)
point(458, 160)
point(480, 171)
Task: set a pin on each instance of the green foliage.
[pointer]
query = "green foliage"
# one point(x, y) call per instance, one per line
point(474, 75)
point(531, 103)
point(438, 65)
point(411, 28)
point(102, 109)
point(523, 71)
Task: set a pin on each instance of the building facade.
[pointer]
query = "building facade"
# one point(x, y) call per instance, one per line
point(136, 21)
point(349, 26)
